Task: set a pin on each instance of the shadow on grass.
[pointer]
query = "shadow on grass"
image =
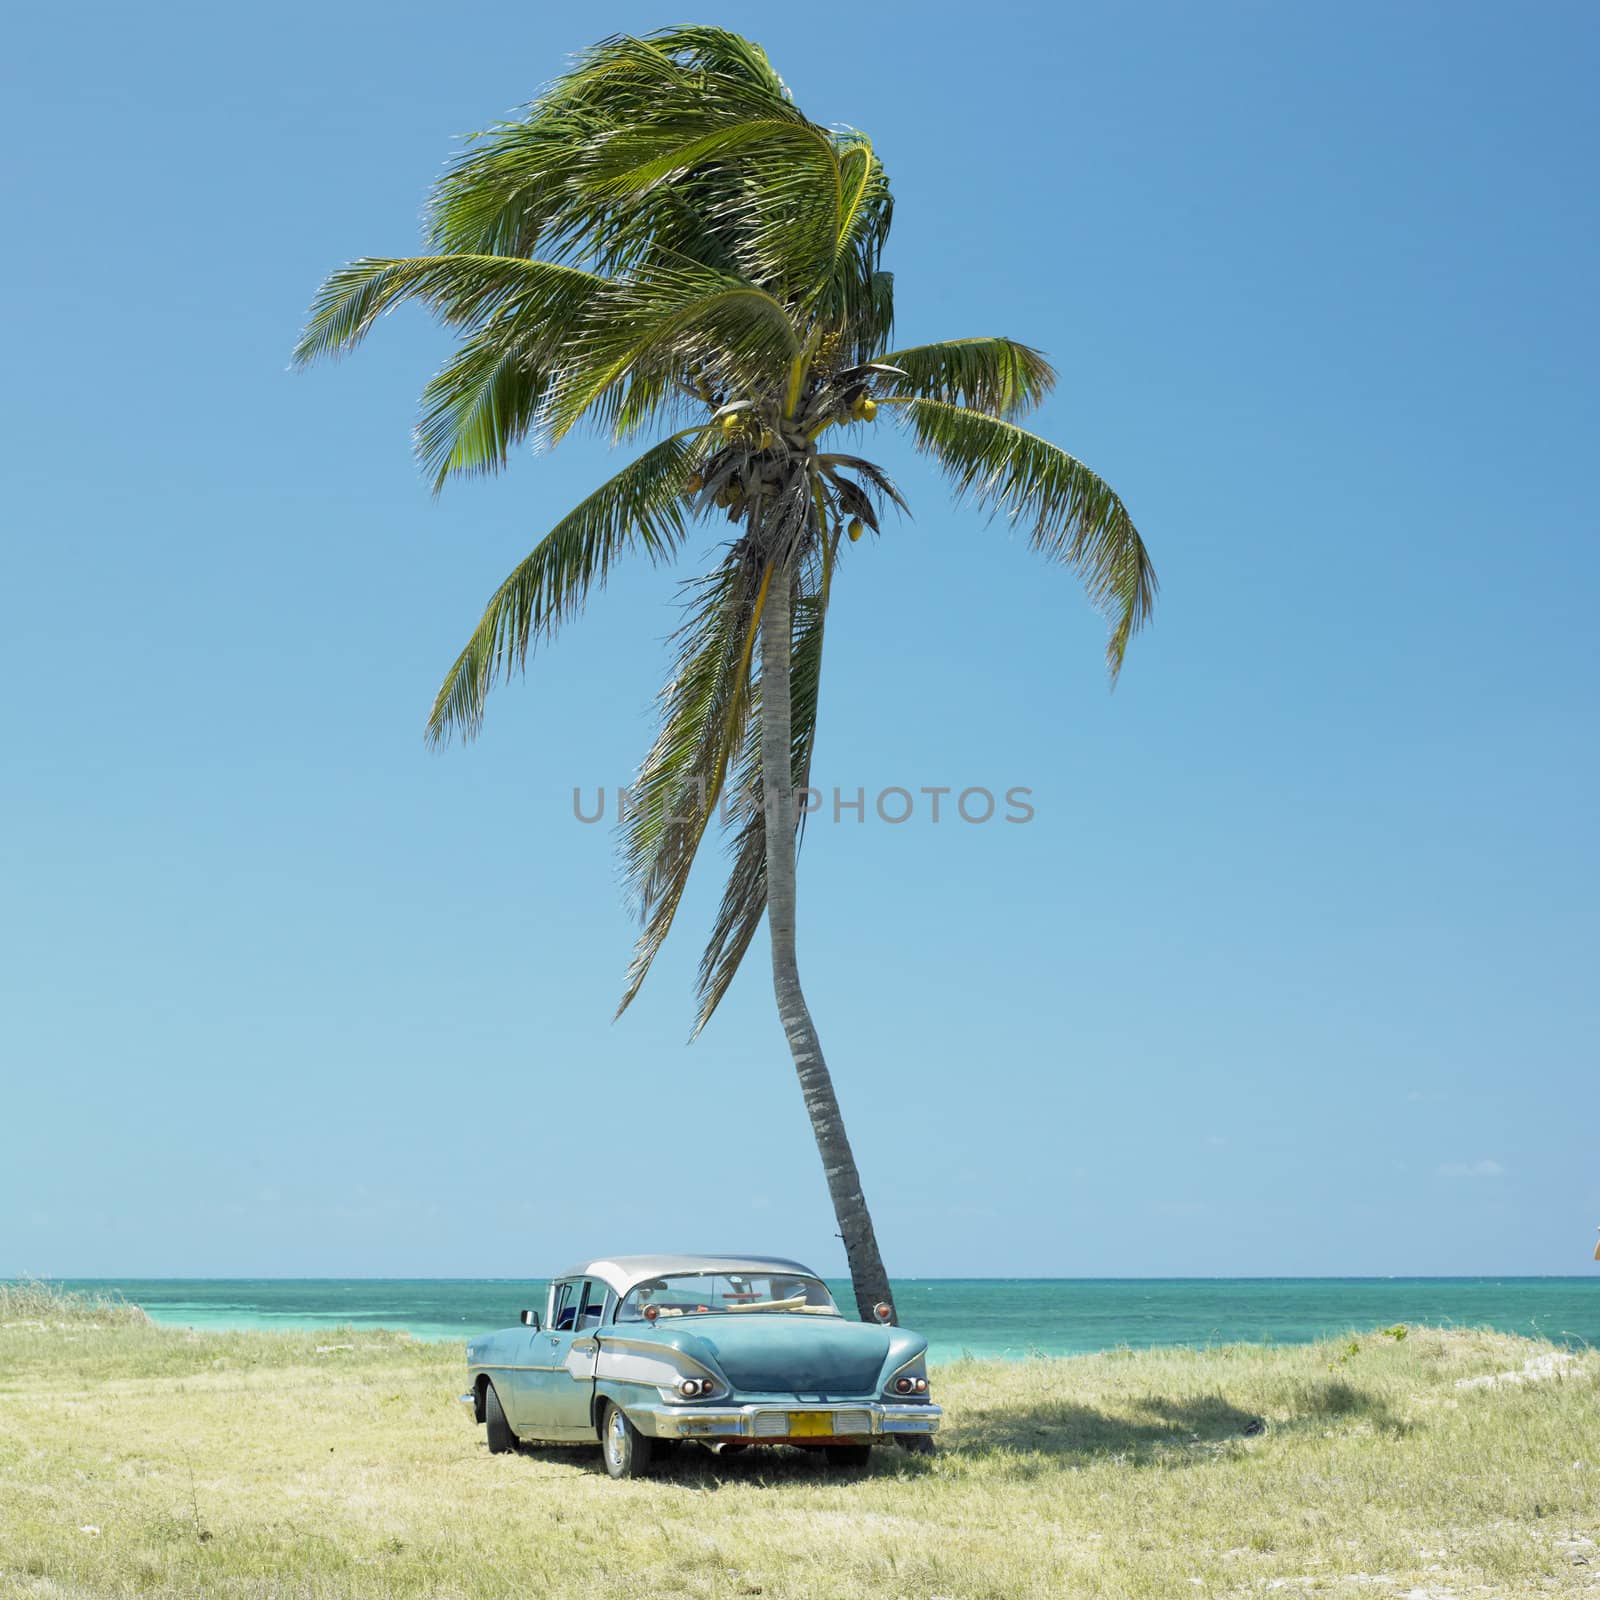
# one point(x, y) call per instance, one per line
point(1156, 1427)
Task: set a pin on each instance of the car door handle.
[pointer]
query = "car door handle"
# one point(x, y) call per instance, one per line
point(586, 1349)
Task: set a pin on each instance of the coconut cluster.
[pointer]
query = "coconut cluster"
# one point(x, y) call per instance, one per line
point(764, 454)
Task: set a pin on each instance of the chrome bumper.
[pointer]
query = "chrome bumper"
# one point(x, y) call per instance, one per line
point(770, 1423)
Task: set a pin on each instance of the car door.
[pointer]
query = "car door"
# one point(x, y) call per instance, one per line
point(530, 1404)
point(574, 1357)
point(558, 1375)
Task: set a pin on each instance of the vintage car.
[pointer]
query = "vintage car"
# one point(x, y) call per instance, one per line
point(728, 1351)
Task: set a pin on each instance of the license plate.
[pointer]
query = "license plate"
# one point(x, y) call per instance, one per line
point(810, 1424)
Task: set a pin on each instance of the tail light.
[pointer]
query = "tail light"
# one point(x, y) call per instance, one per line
point(905, 1386)
point(695, 1388)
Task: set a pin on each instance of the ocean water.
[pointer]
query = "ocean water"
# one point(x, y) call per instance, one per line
point(984, 1317)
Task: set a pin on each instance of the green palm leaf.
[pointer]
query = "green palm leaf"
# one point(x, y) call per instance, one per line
point(636, 160)
point(729, 56)
point(640, 508)
point(705, 710)
point(731, 334)
point(744, 899)
point(1071, 515)
point(850, 291)
point(485, 399)
point(461, 290)
point(578, 175)
point(998, 376)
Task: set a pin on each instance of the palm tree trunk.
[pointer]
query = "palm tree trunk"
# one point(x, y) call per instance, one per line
point(870, 1281)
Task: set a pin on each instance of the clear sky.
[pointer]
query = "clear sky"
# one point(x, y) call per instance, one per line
point(1293, 971)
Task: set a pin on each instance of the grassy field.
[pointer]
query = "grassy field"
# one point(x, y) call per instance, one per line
point(141, 1460)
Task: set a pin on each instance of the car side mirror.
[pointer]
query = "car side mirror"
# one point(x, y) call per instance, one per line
point(530, 1319)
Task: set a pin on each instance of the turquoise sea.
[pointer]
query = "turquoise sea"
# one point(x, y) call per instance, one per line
point(985, 1317)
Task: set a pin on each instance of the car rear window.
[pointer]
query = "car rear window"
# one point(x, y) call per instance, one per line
point(700, 1294)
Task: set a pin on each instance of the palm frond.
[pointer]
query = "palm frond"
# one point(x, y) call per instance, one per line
point(744, 899)
point(875, 316)
point(998, 376)
point(862, 192)
point(705, 707)
point(850, 291)
point(768, 194)
point(485, 399)
point(513, 189)
point(1071, 515)
point(719, 51)
point(870, 472)
point(673, 322)
point(641, 507)
point(684, 144)
point(460, 290)
point(573, 178)
point(639, 158)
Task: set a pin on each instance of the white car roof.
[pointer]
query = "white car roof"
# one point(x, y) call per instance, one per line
point(621, 1273)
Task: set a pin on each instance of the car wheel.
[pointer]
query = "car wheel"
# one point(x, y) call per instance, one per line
point(916, 1444)
point(627, 1451)
point(847, 1457)
point(501, 1438)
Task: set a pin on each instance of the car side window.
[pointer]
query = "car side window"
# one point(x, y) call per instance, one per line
point(563, 1305)
point(592, 1304)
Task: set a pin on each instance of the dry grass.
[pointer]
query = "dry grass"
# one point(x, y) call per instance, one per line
point(31, 1302)
point(141, 1460)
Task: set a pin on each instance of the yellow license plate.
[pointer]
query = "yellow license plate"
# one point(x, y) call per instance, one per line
point(810, 1424)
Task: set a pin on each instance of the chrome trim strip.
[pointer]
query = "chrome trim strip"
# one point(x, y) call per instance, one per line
point(506, 1366)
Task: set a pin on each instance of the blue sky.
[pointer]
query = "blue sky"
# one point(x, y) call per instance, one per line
point(1293, 969)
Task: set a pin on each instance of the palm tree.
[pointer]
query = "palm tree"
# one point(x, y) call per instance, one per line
point(664, 242)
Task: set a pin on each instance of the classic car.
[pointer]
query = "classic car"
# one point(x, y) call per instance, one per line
point(639, 1352)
